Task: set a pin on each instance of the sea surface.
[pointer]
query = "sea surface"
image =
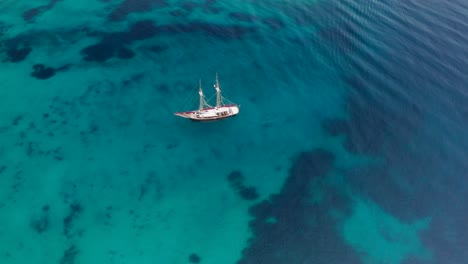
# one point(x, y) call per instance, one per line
point(351, 144)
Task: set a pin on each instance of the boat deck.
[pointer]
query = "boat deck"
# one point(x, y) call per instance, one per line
point(210, 114)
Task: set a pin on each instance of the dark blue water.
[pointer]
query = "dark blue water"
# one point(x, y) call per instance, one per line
point(350, 147)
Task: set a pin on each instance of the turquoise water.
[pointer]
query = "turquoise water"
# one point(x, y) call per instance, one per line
point(350, 146)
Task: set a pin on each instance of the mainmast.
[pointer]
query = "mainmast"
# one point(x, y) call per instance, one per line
point(218, 92)
point(200, 92)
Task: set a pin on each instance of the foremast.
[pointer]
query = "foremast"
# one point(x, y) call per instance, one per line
point(218, 92)
point(202, 101)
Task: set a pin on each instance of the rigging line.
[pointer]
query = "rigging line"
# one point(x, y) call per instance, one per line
point(189, 98)
point(224, 100)
point(188, 104)
point(205, 102)
point(209, 99)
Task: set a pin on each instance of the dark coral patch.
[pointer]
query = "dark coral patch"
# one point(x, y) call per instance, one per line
point(273, 23)
point(30, 14)
point(134, 6)
point(114, 44)
point(42, 72)
point(236, 180)
point(248, 193)
point(41, 224)
point(140, 30)
point(69, 256)
point(98, 52)
point(189, 6)
point(63, 68)
point(379, 185)
point(17, 120)
point(2, 168)
point(158, 48)
point(212, 10)
point(17, 49)
point(178, 13)
point(308, 166)
point(18, 54)
point(373, 129)
point(194, 258)
point(244, 17)
point(235, 177)
point(125, 53)
point(287, 228)
point(151, 183)
point(75, 211)
point(208, 7)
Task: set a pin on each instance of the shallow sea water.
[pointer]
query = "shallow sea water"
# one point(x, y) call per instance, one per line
point(350, 147)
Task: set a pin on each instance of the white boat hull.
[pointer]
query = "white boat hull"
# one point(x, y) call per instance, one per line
point(211, 114)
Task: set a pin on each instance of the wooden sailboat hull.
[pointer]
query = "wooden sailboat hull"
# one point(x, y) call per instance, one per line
point(210, 120)
point(211, 114)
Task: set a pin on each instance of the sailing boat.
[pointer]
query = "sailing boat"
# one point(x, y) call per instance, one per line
point(223, 109)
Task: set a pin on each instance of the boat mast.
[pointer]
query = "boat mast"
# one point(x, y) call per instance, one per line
point(200, 92)
point(218, 92)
